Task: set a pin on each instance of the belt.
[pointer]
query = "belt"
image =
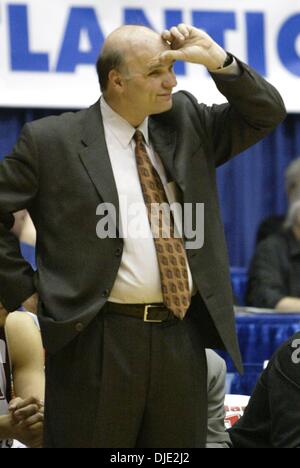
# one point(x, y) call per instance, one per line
point(152, 313)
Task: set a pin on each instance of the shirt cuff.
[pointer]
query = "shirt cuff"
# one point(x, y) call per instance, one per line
point(233, 70)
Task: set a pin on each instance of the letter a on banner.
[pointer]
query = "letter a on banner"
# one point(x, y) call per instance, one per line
point(80, 20)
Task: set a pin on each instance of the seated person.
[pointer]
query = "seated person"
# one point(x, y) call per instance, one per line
point(274, 275)
point(272, 417)
point(274, 224)
point(217, 437)
point(21, 418)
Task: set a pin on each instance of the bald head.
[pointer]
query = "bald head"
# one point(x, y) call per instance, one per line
point(123, 45)
point(131, 36)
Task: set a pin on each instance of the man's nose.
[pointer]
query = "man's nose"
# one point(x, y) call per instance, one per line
point(170, 80)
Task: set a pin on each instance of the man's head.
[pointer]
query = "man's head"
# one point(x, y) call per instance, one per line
point(134, 79)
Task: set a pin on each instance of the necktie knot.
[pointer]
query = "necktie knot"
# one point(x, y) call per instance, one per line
point(138, 137)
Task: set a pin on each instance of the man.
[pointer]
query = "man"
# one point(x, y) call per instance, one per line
point(271, 419)
point(126, 319)
point(274, 224)
point(275, 269)
point(21, 418)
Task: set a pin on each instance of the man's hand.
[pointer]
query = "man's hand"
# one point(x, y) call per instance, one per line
point(31, 304)
point(192, 45)
point(27, 417)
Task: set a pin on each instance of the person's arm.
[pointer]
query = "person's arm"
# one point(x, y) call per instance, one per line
point(28, 232)
point(27, 361)
point(19, 180)
point(255, 106)
point(18, 226)
point(288, 304)
point(26, 356)
point(217, 437)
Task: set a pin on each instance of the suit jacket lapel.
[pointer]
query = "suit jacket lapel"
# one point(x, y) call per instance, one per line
point(163, 139)
point(95, 158)
point(96, 161)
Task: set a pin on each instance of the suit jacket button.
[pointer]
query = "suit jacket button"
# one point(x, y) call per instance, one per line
point(106, 293)
point(79, 327)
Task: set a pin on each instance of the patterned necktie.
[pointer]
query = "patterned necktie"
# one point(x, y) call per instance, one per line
point(170, 250)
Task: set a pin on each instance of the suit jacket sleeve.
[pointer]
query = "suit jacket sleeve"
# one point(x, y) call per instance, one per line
point(18, 188)
point(254, 109)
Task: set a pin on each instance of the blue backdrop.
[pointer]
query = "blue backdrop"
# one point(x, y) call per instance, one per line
point(251, 186)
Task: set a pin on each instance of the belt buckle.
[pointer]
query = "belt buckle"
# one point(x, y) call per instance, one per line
point(146, 312)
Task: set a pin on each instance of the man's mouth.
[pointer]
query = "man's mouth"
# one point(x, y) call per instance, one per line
point(165, 95)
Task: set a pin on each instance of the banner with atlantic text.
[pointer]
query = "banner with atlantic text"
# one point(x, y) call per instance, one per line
point(48, 48)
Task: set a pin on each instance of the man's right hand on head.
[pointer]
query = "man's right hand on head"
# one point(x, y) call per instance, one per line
point(192, 45)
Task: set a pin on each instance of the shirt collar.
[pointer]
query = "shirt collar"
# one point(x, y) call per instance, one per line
point(122, 129)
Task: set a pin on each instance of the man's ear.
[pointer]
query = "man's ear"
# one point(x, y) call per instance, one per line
point(115, 80)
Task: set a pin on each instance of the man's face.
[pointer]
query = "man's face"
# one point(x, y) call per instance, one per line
point(149, 84)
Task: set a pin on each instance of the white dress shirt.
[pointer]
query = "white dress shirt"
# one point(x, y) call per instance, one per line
point(138, 280)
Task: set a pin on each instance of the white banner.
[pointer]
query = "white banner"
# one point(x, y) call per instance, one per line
point(48, 48)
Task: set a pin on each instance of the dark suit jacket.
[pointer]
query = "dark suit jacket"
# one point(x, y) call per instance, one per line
point(275, 270)
point(271, 419)
point(60, 171)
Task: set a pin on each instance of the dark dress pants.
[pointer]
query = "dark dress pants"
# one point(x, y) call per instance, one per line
point(123, 383)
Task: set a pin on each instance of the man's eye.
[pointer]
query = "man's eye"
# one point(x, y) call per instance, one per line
point(154, 72)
